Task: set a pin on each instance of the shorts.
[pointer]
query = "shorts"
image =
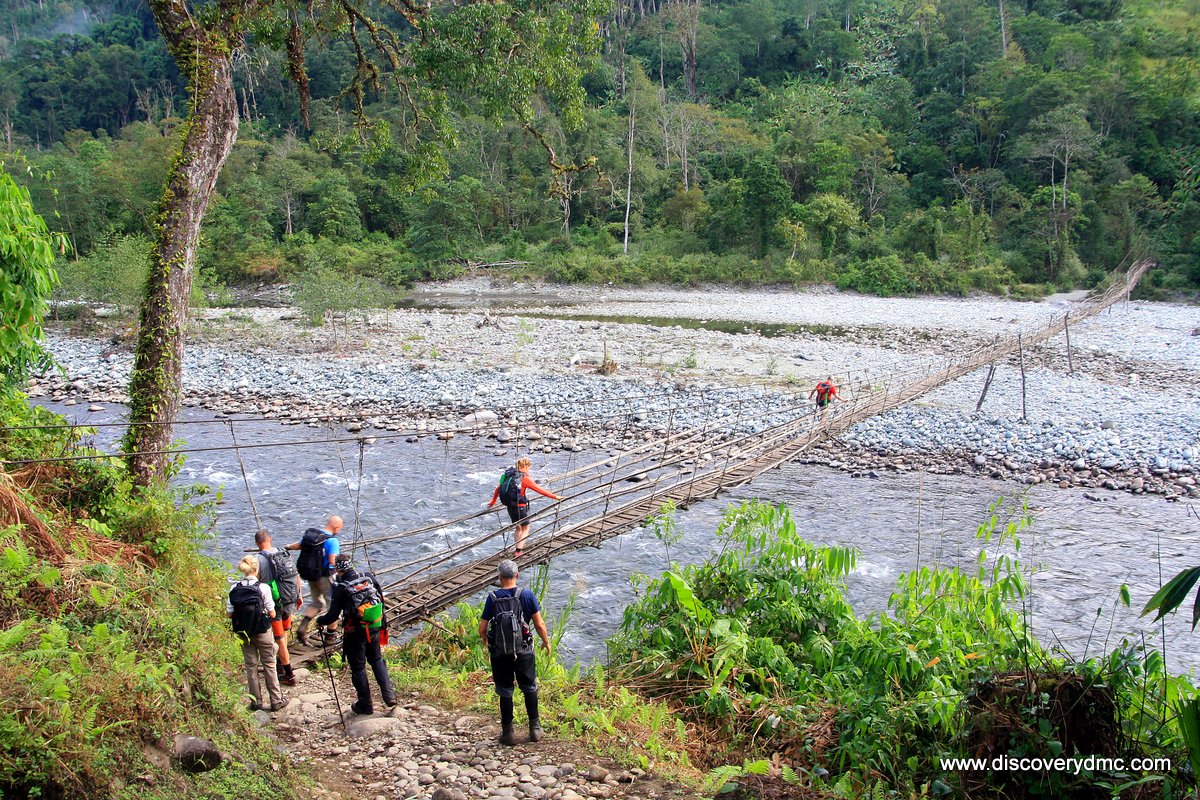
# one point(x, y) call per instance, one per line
point(281, 623)
point(518, 513)
point(823, 401)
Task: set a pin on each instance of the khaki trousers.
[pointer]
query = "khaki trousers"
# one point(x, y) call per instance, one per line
point(261, 649)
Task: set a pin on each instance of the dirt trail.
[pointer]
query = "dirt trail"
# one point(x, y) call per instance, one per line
point(419, 750)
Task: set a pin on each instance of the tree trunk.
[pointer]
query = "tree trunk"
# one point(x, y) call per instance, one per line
point(1003, 31)
point(629, 173)
point(212, 126)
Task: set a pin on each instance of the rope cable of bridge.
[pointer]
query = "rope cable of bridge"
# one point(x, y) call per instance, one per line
point(588, 499)
point(245, 478)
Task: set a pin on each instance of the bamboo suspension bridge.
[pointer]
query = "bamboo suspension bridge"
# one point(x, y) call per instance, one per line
point(609, 497)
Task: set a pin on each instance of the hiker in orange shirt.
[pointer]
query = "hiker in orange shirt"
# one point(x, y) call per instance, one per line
point(511, 491)
point(825, 392)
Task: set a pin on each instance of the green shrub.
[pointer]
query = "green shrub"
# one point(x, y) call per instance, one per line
point(115, 273)
point(761, 643)
point(885, 276)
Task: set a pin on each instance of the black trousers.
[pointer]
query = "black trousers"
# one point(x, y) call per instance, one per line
point(521, 669)
point(359, 652)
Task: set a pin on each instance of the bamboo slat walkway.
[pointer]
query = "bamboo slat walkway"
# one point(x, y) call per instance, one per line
point(692, 466)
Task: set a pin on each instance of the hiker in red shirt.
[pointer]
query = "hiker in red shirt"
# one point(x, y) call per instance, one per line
point(512, 493)
point(825, 392)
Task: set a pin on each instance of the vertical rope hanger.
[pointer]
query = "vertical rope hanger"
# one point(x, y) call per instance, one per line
point(358, 538)
point(354, 497)
point(245, 479)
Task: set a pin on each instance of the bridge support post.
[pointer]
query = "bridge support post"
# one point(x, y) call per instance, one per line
point(1067, 331)
point(987, 383)
point(1021, 356)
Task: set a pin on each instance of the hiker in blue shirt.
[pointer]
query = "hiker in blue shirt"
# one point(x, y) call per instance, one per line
point(507, 615)
point(319, 548)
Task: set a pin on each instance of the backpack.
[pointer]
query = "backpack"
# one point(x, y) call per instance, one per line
point(508, 635)
point(510, 487)
point(249, 616)
point(311, 564)
point(824, 390)
point(283, 582)
point(366, 606)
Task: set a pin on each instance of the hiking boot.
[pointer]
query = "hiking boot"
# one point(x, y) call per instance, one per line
point(287, 680)
point(507, 737)
point(362, 710)
point(535, 731)
point(254, 706)
point(302, 636)
point(279, 706)
point(390, 702)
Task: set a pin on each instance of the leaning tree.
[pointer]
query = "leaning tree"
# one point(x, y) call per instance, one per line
point(436, 56)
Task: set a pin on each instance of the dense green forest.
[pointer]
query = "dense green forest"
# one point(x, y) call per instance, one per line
point(890, 146)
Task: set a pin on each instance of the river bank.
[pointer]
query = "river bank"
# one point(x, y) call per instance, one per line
point(471, 358)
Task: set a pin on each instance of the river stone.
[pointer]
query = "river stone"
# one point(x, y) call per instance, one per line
point(597, 773)
point(980, 460)
point(482, 417)
point(371, 726)
point(194, 754)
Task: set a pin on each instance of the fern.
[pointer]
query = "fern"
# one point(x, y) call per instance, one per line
point(722, 775)
point(760, 767)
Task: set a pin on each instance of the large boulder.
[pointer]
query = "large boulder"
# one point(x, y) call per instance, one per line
point(364, 727)
point(194, 754)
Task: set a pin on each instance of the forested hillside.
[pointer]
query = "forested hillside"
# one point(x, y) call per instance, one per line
point(891, 146)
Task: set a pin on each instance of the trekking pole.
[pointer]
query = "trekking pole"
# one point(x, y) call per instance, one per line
point(332, 682)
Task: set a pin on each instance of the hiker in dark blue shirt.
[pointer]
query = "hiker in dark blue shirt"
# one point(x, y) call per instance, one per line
point(505, 624)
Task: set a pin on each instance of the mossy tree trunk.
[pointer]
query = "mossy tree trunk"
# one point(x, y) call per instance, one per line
point(202, 48)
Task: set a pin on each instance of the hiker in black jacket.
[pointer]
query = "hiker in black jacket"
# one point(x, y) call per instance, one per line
point(358, 599)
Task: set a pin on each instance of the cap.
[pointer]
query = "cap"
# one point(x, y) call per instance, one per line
point(342, 563)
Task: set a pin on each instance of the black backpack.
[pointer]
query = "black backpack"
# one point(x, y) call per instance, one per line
point(283, 579)
point(311, 564)
point(366, 606)
point(508, 635)
point(249, 616)
point(510, 487)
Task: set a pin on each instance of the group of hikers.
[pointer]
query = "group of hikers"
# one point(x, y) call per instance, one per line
point(262, 604)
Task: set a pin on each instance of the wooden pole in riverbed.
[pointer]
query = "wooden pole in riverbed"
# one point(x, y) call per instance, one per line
point(1021, 356)
point(1067, 331)
point(987, 382)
